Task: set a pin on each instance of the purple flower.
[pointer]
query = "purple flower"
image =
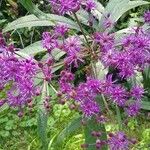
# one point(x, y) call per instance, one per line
point(107, 23)
point(61, 29)
point(64, 6)
point(130, 56)
point(86, 96)
point(94, 85)
point(137, 92)
point(49, 42)
point(90, 108)
point(118, 141)
point(147, 16)
point(133, 109)
point(104, 40)
point(118, 94)
point(65, 82)
point(72, 47)
point(2, 102)
point(19, 75)
point(89, 5)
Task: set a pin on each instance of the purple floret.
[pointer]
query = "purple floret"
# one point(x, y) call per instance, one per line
point(118, 141)
point(147, 16)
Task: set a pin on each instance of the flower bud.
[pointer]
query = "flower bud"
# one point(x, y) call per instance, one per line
point(20, 114)
point(49, 62)
point(93, 133)
point(84, 146)
point(62, 102)
point(72, 106)
point(40, 65)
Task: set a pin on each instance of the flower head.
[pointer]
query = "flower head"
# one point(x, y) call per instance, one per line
point(19, 75)
point(49, 42)
point(72, 47)
point(89, 5)
point(118, 141)
point(137, 92)
point(64, 6)
point(133, 109)
point(147, 16)
point(61, 29)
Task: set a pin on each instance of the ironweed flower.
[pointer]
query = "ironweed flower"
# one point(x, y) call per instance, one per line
point(89, 5)
point(62, 7)
point(147, 16)
point(49, 41)
point(133, 109)
point(61, 29)
point(18, 74)
point(118, 141)
point(72, 47)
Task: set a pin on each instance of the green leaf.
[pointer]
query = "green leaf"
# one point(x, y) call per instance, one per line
point(57, 54)
point(4, 107)
point(145, 105)
point(28, 4)
point(93, 126)
point(33, 48)
point(101, 70)
point(116, 8)
point(118, 117)
point(146, 79)
point(98, 11)
point(36, 47)
point(42, 125)
point(33, 21)
point(42, 118)
point(70, 128)
point(2, 21)
point(38, 18)
point(28, 22)
point(4, 133)
point(57, 67)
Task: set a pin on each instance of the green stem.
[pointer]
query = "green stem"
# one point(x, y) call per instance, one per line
point(106, 105)
point(119, 117)
point(88, 44)
point(92, 125)
point(80, 26)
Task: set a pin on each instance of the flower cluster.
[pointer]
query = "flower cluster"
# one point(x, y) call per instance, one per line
point(18, 75)
point(130, 56)
point(86, 94)
point(65, 6)
point(71, 45)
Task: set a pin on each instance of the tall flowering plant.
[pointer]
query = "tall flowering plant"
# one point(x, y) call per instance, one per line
point(110, 66)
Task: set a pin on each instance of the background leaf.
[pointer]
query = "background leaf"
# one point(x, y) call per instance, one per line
point(42, 118)
point(92, 125)
point(116, 8)
point(73, 126)
point(33, 21)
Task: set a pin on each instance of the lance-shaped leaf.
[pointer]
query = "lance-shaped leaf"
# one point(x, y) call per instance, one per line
point(42, 118)
point(116, 8)
point(145, 105)
point(28, 4)
point(146, 79)
point(33, 21)
point(36, 47)
point(73, 126)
